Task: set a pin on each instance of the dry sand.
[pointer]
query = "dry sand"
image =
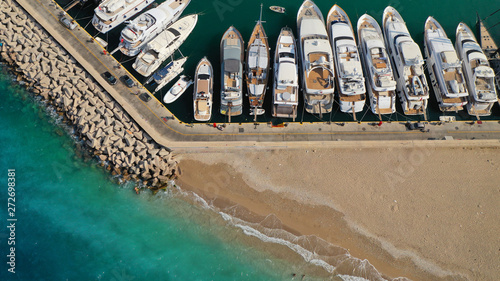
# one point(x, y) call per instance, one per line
point(414, 210)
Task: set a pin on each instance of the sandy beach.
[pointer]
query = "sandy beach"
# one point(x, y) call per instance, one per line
point(421, 210)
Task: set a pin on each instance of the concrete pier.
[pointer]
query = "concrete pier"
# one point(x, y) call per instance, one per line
point(99, 120)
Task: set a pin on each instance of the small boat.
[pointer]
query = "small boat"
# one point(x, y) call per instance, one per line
point(408, 64)
point(149, 24)
point(479, 75)
point(111, 13)
point(286, 77)
point(163, 76)
point(164, 45)
point(203, 90)
point(445, 68)
point(257, 68)
point(318, 77)
point(178, 89)
point(348, 69)
point(232, 55)
point(278, 9)
point(381, 85)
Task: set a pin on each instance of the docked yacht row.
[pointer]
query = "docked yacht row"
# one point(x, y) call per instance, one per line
point(384, 62)
point(152, 36)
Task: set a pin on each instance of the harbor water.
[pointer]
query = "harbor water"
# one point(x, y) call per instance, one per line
point(217, 15)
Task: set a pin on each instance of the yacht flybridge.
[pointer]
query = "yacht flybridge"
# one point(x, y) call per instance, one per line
point(381, 85)
point(407, 62)
point(149, 24)
point(350, 80)
point(479, 75)
point(445, 68)
point(111, 13)
point(317, 60)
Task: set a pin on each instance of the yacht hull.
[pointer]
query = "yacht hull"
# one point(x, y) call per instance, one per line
point(285, 82)
point(348, 70)
point(437, 49)
point(257, 68)
point(407, 62)
point(318, 77)
point(109, 15)
point(479, 75)
point(232, 56)
point(381, 86)
point(203, 91)
point(164, 45)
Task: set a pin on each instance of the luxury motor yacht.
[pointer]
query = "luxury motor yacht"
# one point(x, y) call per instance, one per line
point(203, 90)
point(479, 75)
point(164, 45)
point(257, 67)
point(147, 25)
point(407, 63)
point(381, 85)
point(350, 80)
point(286, 76)
point(318, 77)
point(445, 68)
point(231, 48)
point(163, 76)
point(111, 13)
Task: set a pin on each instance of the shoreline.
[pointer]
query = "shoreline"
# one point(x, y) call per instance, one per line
point(418, 234)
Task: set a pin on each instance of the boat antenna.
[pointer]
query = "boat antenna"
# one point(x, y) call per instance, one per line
point(491, 14)
point(493, 26)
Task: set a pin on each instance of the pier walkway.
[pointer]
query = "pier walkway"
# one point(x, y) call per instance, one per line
point(168, 131)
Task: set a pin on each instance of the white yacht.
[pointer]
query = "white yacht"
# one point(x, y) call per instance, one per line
point(350, 80)
point(257, 67)
point(147, 25)
point(231, 48)
point(479, 75)
point(164, 45)
point(163, 76)
point(203, 90)
point(286, 76)
point(111, 13)
point(407, 62)
point(177, 89)
point(381, 85)
point(317, 60)
point(445, 68)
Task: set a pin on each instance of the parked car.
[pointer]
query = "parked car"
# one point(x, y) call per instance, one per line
point(145, 97)
point(111, 79)
point(128, 81)
point(416, 126)
point(68, 23)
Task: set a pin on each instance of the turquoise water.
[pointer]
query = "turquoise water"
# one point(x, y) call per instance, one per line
point(217, 15)
point(76, 223)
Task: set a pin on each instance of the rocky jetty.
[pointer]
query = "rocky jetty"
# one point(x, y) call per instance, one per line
point(101, 122)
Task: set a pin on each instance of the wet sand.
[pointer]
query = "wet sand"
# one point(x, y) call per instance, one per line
point(421, 210)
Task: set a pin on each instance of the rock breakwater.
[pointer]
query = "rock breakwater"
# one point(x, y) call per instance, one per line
point(108, 131)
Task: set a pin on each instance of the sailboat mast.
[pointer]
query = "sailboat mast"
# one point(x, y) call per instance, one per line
point(260, 18)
